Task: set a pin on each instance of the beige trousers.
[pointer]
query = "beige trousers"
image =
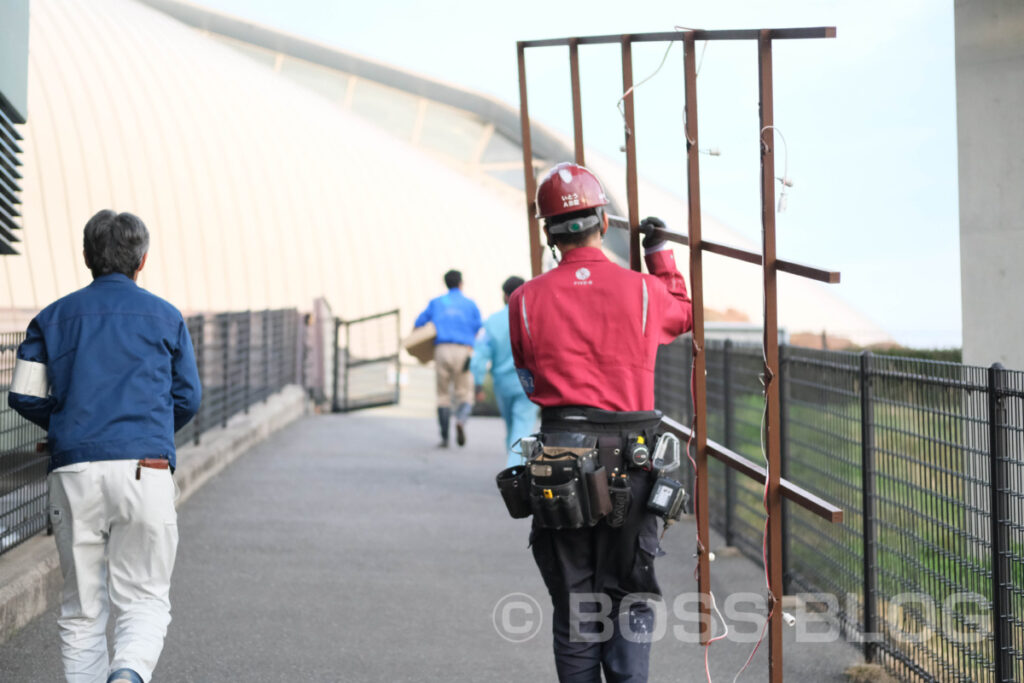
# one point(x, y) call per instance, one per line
point(450, 361)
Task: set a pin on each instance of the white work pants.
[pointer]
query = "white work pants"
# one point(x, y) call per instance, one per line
point(117, 537)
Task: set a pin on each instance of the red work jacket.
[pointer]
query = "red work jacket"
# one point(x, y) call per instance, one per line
point(587, 332)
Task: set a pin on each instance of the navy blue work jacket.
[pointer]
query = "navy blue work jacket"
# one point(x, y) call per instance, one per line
point(109, 372)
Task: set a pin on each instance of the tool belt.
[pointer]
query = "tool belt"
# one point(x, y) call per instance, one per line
point(578, 468)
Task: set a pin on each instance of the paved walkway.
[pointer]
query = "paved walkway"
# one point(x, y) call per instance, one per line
point(347, 548)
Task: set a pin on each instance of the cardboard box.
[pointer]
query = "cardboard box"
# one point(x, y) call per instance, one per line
point(420, 343)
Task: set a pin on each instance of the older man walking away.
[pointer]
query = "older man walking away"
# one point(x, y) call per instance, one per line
point(110, 373)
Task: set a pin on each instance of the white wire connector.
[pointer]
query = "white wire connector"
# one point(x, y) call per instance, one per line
point(784, 180)
point(711, 151)
point(789, 619)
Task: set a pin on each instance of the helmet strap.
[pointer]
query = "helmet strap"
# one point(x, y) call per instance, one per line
point(554, 253)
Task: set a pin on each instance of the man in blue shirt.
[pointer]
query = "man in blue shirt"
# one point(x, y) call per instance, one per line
point(110, 373)
point(457, 320)
point(493, 347)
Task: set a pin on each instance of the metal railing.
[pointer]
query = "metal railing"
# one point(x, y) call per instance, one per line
point(367, 364)
point(926, 458)
point(243, 358)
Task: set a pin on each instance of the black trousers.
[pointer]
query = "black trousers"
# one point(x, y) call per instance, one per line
point(588, 573)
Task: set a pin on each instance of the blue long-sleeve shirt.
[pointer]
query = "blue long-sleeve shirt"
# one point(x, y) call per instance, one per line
point(109, 372)
point(493, 348)
point(455, 316)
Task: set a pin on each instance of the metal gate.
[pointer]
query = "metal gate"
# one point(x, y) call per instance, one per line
point(367, 369)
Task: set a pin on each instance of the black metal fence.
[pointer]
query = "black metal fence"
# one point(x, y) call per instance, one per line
point(243, 358)
point(926, 458)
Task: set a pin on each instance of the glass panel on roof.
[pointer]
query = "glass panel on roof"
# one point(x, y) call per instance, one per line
point(261, 55)
point(391, 109)
point(328, 82)
point(501, 149)
point(454, 133)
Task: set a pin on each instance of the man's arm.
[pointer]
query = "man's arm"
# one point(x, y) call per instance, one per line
point(519, 336)
point(185, 389)
point(661, 263)
point(423, 318)
point(483, 356)
point(30, 387)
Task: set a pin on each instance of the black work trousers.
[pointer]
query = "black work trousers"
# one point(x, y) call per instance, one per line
point(588, 573)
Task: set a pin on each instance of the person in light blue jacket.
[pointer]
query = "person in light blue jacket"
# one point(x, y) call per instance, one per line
point(494, 349)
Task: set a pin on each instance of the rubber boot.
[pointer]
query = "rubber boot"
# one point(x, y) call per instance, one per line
point(461, 415)
point(444, 416)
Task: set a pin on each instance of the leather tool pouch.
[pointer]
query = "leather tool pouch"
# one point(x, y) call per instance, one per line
point(562, 478)
point(514, 485)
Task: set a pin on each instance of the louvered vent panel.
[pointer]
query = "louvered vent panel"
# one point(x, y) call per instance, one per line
point(10, 184)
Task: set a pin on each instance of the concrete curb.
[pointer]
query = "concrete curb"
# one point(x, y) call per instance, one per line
point(30, 573)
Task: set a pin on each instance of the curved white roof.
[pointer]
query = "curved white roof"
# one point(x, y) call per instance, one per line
point(257, 192)
point(268, 180)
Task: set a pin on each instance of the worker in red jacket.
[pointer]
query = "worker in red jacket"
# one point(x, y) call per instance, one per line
point(585, 336)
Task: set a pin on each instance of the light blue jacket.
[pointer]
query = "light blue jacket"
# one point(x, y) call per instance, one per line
point(494, 348)
point(455, 316)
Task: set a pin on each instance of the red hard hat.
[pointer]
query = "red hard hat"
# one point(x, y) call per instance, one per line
point(566, 188)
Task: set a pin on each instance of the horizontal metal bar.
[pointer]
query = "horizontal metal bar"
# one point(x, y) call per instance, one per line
point(698, 34)
point(368, 317)
point(927, 379)
point(809, 272)
point(802, 497)
point(370, 361)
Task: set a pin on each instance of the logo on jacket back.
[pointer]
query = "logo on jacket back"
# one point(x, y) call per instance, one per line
point(583, 277)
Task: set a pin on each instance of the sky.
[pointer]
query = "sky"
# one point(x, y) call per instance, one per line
point(868, 118)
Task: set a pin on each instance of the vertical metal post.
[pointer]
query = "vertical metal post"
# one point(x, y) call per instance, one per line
point(1002, 589)
point(266, 353)
point(784, 458)
point(771, 347)
point(699, 379)
point(530, 182)
point(335, 405)
point(248, 357)
point(577, 107)
point(348, 352)
point(730, 439)
point(199, 347)
point(632, 198)
point(867, 474)
point(226, 340)
point(398, 357)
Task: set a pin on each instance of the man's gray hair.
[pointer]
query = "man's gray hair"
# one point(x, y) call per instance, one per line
point(115, 243)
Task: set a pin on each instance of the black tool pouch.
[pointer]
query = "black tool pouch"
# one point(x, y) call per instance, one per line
point(558, 491)
point(558, 506)
point(621, 496)
point(514, 485)
point(600, 502)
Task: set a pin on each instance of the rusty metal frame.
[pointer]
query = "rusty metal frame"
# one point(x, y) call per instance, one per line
point(771, 265)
